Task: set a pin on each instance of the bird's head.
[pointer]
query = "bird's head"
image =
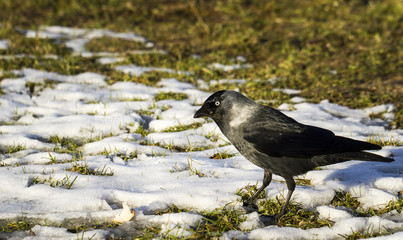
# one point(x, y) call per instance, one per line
point(220, 105)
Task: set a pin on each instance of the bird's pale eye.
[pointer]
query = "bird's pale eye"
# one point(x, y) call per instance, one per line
point(217, 103)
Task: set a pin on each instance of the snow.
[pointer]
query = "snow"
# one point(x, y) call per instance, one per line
point(42, 232)
point(333, 214)
point(110, 60)
point(148, 177)
point(287, 91)
point(297, 99)
point(175, 224)
point(56, 32)
point(229, 68)
point(135, 70)
point(252, 222)
point(201, 84)
point(4, 44)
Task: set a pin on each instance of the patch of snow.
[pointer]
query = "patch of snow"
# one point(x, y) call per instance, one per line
point(298, 99)
point(43, 232)
point(252, 222)
point(227, 81)
point(105, 118)
point(4, 44)
point(77, 45)
point(229, 68)
point(333, 214)
point(135, 70)
point(172, 83)
point(110, 60)
point(77, 38)
point(287, 91)
point(241, 58)
point(67, 31)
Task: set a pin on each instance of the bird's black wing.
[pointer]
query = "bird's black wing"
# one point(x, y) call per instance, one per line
point(283, 136)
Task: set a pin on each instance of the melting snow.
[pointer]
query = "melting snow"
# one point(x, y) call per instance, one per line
point(4, 44)
point(148, 177)
point(228, 68)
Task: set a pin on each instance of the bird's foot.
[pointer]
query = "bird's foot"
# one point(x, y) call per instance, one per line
point(279, 215)
point(249, 203)
point(267, 220)
point(249, 206)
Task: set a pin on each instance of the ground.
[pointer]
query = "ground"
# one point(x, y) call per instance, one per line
point(96, 122)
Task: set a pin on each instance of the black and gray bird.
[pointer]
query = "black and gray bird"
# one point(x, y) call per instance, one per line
point(278, 143)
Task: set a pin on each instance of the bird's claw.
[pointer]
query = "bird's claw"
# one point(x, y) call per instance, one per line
point(249, 206)
point(249, 203)
point(246, 204)
point(277, 217)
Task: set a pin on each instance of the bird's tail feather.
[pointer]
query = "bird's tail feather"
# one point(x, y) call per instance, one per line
point(342, 157)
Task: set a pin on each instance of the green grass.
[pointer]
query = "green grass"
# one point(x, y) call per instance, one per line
point(170, 95)
point(145, 112)
point(246, 192)
point(126, 157)
point(172, 147)
point(65, 144)
point(348, 52)
point(20, 225)
point(295, 216)
point(303, 182)
point(381, 140)
point(83, 169)
point(23, 224)
point(222, 155)
point(171, 209)
point(73, 145)
point(142, 131)
point(181, 127)
point(147, 78)
point(346, 200)
point(366, 233)
point(216, 222)
point(12, 148)
point(66, 182)
point(192, 170)
point(213, 224)
point(107, 44)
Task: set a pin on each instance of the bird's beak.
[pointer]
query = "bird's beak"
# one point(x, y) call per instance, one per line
point(200, 113)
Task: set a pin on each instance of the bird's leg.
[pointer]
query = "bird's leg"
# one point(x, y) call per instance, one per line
point(266, 181)
point(291, 186)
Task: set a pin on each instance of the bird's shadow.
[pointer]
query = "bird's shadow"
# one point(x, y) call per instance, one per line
point(268, 220)
point(364, 173)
